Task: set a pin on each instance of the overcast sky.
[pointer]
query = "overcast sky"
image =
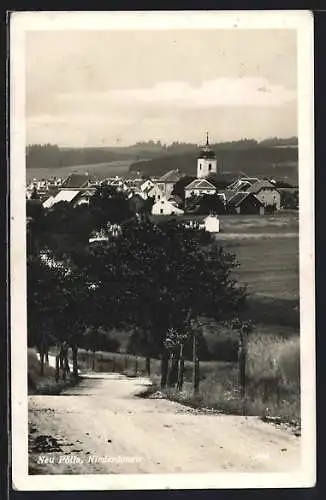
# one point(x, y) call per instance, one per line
point(100, 88)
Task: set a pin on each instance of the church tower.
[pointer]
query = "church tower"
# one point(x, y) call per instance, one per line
point(206, 161)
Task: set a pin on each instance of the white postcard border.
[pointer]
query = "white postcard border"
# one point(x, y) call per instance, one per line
point(21, 22)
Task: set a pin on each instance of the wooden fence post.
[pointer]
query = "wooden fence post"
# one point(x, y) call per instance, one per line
point(57, 368)
point(180, 369)
point(195, 360)
point(242, 368)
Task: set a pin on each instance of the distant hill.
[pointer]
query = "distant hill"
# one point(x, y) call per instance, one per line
point(257, 160)
point(53, 156)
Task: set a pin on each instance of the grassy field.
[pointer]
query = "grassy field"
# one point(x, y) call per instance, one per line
point(98, 170)
point(270, 267)
point(267, 249)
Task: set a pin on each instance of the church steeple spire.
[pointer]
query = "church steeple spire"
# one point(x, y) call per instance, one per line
point(207, 143)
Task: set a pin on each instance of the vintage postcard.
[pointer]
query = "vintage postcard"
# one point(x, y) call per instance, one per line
point(162, 250)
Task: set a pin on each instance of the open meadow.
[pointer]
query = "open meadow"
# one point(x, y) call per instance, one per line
point(98, 170)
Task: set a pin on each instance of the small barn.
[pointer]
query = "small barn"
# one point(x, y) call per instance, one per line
point(245, 203)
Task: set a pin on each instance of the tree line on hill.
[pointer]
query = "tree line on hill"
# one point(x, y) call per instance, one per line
point(156, 281)
point(51, 155)
point(259, 160)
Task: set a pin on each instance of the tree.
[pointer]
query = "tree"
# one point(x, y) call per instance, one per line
point(109, 205)
point(157, 277)
point(290, 199)
point(211, 204)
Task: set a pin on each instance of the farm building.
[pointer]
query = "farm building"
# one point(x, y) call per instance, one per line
point(76, 197)
point(78, 181)
point(167, 181)
point(165, 207)
point(199, 187)
point(245, 203)
point(264, 190)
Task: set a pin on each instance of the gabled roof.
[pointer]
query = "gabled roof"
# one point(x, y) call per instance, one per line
point(171, 176)
point(200, 184)
point(229, 193)
point(239, 197)
point(76, 180)
point(66, 195)
point(259, 185)
point(243, 181)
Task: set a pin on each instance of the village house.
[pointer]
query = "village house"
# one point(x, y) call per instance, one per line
point(153, 191)
point(167, 181)
point(75, 197)
point(199, 187)
point(264, 190)
point(78, 181)
point(165, 207)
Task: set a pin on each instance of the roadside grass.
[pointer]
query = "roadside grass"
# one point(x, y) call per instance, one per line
point(272, 381)
point(46, 384)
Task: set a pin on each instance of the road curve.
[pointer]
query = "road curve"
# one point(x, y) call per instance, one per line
point(101, 426)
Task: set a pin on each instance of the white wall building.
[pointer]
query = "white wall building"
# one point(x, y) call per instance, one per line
point(199, 187)
point(212, 224)
point(165, 207)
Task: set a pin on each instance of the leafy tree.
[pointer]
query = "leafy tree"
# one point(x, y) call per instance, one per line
point(156, 277)
point(179, 187)
point(290, 199)
point(109, 205)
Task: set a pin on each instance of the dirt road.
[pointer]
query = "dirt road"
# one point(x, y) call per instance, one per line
point(101, 426)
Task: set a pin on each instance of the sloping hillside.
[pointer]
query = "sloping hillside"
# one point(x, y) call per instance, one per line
point(259, 161)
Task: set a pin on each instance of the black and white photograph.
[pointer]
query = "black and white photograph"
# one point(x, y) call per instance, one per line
point(162, 250)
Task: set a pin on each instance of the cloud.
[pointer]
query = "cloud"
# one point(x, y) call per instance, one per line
point(213, 93)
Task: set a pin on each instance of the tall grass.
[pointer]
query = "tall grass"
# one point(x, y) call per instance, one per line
point(272, 378)
point(272, 382)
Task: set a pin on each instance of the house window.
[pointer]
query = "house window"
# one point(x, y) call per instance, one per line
point(172, 213)
point(161, 211)
point(158, 197)
point(210, 167)
point(199, 166)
